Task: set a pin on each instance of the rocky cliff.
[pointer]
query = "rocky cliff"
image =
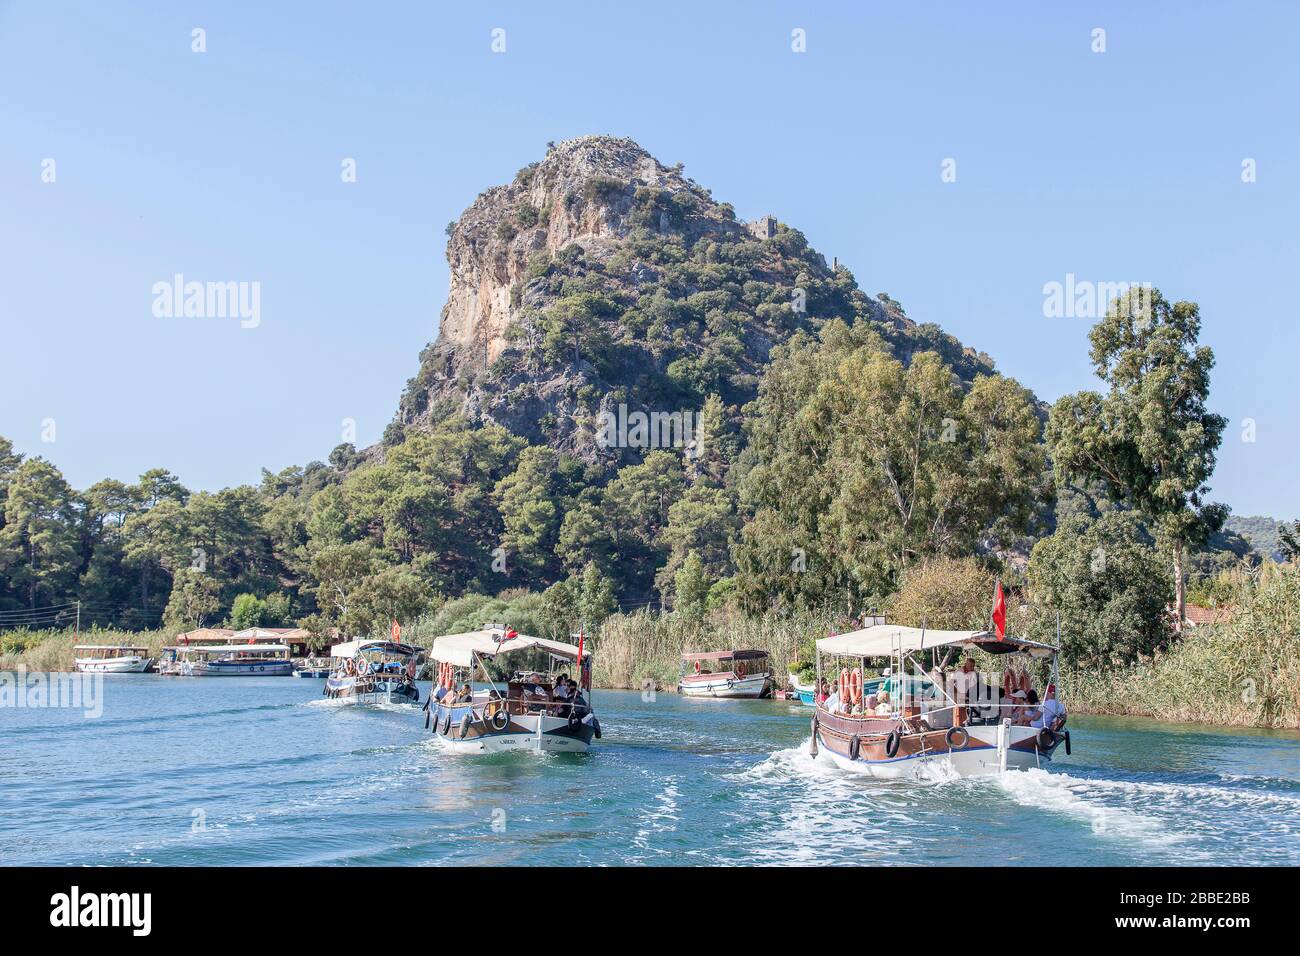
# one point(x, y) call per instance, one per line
point(601, 277)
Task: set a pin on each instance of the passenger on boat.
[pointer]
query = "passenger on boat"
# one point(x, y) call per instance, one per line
point(1030, 710)
point(464, 696)
point(1052, 714)
point(824, 692)
point(832, 703)
point(1011, 705)
point(883, 706)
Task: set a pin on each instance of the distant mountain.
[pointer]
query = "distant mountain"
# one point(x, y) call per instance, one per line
point(600, 277)
point(1260, 531)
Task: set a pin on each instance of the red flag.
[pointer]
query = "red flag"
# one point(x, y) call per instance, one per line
point(999, 612)
point(511, 634)
point(397, 631)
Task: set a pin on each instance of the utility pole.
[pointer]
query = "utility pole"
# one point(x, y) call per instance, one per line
point(78, 632)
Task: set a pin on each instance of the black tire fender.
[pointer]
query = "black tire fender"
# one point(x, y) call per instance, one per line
point(595, 725)
point(1067, 743)
point(892, 742)
point(950, 738)
point(446, 723)
point(855, 747)
point(464, 724)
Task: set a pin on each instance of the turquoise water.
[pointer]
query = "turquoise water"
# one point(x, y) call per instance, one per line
point(262, 770)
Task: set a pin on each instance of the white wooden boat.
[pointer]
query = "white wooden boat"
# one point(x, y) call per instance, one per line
point(233, 660)
point(933, 725)
point(373, 672)
point(529, 711)
point(110, 659)
point(725, 674)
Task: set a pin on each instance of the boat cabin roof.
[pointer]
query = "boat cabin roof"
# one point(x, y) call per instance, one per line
point(884, 640)
point(108, 647)
point(227, 648)
point(725, 656)
point(357, 646)
point(459, 649)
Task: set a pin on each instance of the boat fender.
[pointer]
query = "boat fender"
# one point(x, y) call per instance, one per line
point(812, 747)
point(1067, 743)
point(1045, 739)
point(500, 719)
point(595, 724)
point(426, 718)
point(892, 742)
point(956, 738)
point(464, 724)
point(855, 745)
point(446, 724)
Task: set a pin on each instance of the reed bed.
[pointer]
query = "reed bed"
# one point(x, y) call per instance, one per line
point(1243, 671)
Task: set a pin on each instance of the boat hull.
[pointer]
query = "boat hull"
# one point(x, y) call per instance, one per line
point(727, 687)
point(371, 691)
point(235, 669)
point(113, 665)
point(540, 733)
point(931, 754)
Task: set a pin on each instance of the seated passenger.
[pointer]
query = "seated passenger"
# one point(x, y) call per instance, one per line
point(884, 708)
point(1052, 714)
point(870, 703)
point(832, 703)
point(465, 695)
point(1030, 711)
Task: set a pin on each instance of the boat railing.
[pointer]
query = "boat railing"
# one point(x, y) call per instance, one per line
point(976, 713)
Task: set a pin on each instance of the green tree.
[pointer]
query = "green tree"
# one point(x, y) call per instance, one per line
point(195, 598)
point(38, 543)
point(245, 612)
point(1104, 580)
point(596, 599)
point(1150, 441)
point(691, 588)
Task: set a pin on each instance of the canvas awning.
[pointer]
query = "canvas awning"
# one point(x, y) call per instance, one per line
point(883, 640)
point(235, 648)
point(353, 647)
point(725, 656)
point(459, 649)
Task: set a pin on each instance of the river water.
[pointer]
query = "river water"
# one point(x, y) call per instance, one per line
point(264, 771)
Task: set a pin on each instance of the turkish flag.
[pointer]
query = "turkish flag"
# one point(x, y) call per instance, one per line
point(396, 631)
point(999, 612)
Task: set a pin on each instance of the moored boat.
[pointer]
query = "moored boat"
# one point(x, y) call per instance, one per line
point(537, 709)
point(232, 660)
point(373, 672)
point(110, 659)
point(725, 674)
point(313, 667)
point(962, 723)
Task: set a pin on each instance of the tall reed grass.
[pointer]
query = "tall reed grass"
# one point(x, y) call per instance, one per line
point(52, 650)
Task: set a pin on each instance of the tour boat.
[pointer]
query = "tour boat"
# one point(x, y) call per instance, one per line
point(110, 659)
point(806, 691)
point(727, 674)
point(373, 672)
point(525, 710)
point(957, 723)
point(233, 660)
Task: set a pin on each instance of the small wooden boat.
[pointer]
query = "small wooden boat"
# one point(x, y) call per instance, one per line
point(806, 691)
point(963, 723)
point(533, 709)
point(725, 674)
point(315, 667)
point(110, 659)
point(373, 672)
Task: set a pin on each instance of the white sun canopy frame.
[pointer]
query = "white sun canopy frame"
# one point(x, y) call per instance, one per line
point(886, 640)
point(356, 646)
point(459, 649)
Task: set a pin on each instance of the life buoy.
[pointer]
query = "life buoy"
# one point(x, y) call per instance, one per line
point(855, 685)
point(1046, 739)
point(697, 667)
point(500, 719)
point(855, 747)
point(951, 738)
point(892, 742)
point(739, 669)
point(844, 684)
point(1010, 682)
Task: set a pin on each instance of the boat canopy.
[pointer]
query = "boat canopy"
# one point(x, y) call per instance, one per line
point(235, 648)
point(883, 640)
point(354, 647)
point(725, 656)
point(459, 649)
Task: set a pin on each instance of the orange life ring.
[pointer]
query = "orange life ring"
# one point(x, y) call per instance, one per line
point(1010, 681)
point(855, 681)
point(844, 684)
point(697, 667)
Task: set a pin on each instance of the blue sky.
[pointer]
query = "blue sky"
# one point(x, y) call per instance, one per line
point(225, 165)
